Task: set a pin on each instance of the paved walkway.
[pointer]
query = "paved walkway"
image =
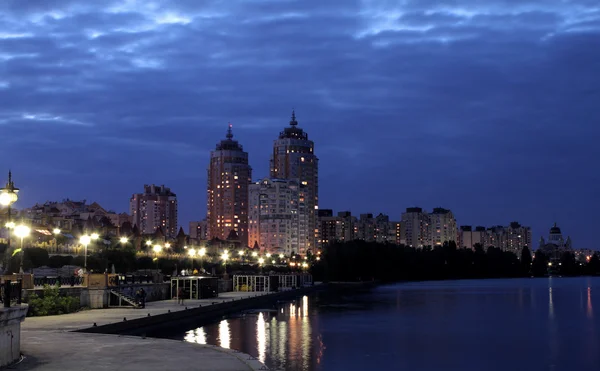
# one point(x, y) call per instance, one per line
point(86, 319)
point(49, 345)
point(59, 351)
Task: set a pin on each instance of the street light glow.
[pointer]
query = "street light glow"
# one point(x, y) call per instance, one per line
point(192, 252)
point(167, 245)
point(261, 261)
point(280, 256)
point(85, 240)
point(10, 225)
point(225, 256)
point(8, 198)
point(202, 252)
point(123, 240)
point(255, 254)
point(22, 231)
point(148, 243)
point(157, 248)
point(56, 231)
point(241, 252)
point(95, 236)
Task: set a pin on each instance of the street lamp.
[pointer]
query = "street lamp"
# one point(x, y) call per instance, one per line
point(22, 231)
point(85, 241)
point(8, 196)
point(192, 253)
point(123, 240)
point(255, 254)
point(156, 249)
point(56, 232)
point(225, 256)
point(201, 254)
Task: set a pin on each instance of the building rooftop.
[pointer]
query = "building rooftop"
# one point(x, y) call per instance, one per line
point(228, 144)
point(293, 131)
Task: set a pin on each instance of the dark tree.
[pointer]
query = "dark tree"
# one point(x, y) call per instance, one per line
point(526, 261)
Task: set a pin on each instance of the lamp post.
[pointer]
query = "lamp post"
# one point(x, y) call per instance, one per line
point(192, 253)
point(225, 256)
point(8, 196)
point(201, 254)
point(22, 231)
point(85, 241)
point(56, 232)
point(156, 249)
point(260, 264)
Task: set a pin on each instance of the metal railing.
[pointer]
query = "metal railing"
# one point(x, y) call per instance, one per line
point(57, 280)
point(10, 291)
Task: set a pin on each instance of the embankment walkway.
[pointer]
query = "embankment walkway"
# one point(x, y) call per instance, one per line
point(49, 344)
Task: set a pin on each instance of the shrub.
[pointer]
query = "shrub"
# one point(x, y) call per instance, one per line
point(52, 302)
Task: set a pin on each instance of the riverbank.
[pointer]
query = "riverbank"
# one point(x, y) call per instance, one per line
point(94, 339)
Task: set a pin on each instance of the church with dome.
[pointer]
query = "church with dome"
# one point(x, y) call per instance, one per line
point(556, 244)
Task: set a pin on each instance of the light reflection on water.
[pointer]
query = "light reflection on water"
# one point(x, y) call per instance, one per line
point(282, 338)
point(472, 325)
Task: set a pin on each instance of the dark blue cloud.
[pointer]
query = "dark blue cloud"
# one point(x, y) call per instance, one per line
point(490, 109)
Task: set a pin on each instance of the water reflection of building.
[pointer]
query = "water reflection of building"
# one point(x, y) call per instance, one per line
point(556, 244)
point(288, 339)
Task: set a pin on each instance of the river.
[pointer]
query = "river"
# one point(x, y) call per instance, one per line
point(519, 324)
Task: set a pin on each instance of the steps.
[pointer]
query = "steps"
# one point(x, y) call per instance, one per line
point(125, 299)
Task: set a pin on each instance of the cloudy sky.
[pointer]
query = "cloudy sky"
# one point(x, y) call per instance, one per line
point(489, 108)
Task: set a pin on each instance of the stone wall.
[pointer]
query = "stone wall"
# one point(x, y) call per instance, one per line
point(10, 333)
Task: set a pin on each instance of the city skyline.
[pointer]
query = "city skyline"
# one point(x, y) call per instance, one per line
point(416, 104)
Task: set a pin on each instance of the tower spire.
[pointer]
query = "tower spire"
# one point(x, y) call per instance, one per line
point(293, 122)
point(229, 132)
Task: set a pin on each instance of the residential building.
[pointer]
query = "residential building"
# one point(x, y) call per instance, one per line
point(154, 209)
point(337, 228)
point(275, 219)
point(229, 176)
point(508, 238)
point(469, 237)
point(198, 231)
point(415, 227)
point(293, 158)
point(69, 215)
point(442, 227)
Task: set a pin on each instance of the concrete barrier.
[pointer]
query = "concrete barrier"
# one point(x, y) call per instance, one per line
point(198, 315)
point(10, 329)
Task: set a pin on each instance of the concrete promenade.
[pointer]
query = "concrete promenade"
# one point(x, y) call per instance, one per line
point(48, 343)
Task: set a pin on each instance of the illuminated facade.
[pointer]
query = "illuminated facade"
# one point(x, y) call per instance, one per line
point(293, 158)
point(153, 209)
point(229, 176)
point(275, 223)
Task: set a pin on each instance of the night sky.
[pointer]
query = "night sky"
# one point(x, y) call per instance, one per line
point(490, 110)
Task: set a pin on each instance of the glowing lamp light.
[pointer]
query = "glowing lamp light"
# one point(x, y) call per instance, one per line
point(255, 254)
point(148, 243)
point(202, 252)
point(167, 245)
point(10, 225)
point(280, 256)
point(192, 252)
point(225, 256)
point(157, 248)
point(56, 231)
point(261, 261)
point(123, 240)
point(8, 198)
point(241, 252)
point(22, 231)
point(85, 240)
point(95, 236)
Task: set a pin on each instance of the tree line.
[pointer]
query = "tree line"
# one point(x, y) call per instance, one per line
point(361, 261)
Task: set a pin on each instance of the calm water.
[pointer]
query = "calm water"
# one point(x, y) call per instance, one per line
point(528, 324)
